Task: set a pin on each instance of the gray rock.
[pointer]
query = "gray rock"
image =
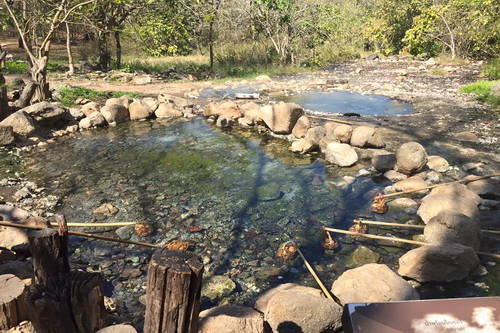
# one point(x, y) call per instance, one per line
point(343, 132)
point(217, 287)
point(139, 110)
point(231, 318)
point(411, 183)
point(45, 113)
point(142, 79)
point(459, 190)
point(411, 158)
point(177, 101)
point(304, 146)
point(402, 203)
point(394, 176)
point(6, 136)
point(122, 100)
point(432, 205)
point(90, 108)
point(366, 137)
point(281, 117)
point(167, 110)
point(151, 102)
point(291, 310)
point(301, 127)
point(95, 119)
point(372, 283)
point(20, 122)
point(120, 328)
point(452, 227)
point(437, 163)
point(229, 110)
point(466, 137)
point(362, 256)
point(76, 113)
point(384, 161)
point(486, 188)
point(115, 113)
point(263, 300)
point(495, 90)
point(447, 262)
point(316, 133)
point(341, 154)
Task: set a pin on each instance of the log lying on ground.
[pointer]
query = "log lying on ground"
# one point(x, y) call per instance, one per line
point(173, 292)
point(12, 306)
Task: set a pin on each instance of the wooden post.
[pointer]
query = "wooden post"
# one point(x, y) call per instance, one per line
point(12, 308)
point(60, 300)
point(173, 292)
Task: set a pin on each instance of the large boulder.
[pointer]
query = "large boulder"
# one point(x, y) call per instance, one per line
point(139, 110)
point(446, 262)
point(304, 146)
point(343, 132)
point(366, 137)
point(168, 110)
point(316, 134)
point(251, 112)
point(45, 113)
point(433, 204)
point(372, 283)
point(115, 113)
point(281, 117)
point(458, 190)
point(6, 136)
point(384, 161)
point(263, 300)
point(452, 227)
point(179, 102)
point(341, 154)
point(486, 188)
point(301, 127)
point(89, 108)
point(229, 110)
point(122, 100)
point(120, 328)
point(20, 122)
point(96, 119)
point(231, 318)
point(299, 310)
point(411, 157)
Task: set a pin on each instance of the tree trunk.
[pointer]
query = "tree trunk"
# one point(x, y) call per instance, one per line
point(12, 305)
point(211, 41)
point(102, 42)
point(118, 49)
point(61, 301)
point(71, 70)
point(4, 105)
point(173, 292)
point(26, 95)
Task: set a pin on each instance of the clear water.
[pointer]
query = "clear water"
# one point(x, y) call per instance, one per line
point(348, 102)
point(248, 192)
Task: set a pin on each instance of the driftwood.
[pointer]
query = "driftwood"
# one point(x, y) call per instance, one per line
point(60, 300)
point(27, 94)
point(173, 292)
point(12, 308)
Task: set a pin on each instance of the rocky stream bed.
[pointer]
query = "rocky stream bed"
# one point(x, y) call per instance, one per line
point(236, 194)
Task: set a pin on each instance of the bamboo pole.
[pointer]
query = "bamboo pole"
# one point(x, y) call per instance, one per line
point(411, 226)
point(82, 234)
point(400, 240)
point(327, 293)
point(465, 181)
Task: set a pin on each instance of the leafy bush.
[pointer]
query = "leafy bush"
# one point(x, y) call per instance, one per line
point(70, 95)
point(492, 69)
point(482, 90)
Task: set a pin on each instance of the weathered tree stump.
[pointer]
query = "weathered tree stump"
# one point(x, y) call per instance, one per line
point(4, 103)
point(60, 300)
point(27, 94)
point(173, 292)
point(12, 308)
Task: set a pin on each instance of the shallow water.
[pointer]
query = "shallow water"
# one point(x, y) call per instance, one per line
point(248, 192)
point(348, 102)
